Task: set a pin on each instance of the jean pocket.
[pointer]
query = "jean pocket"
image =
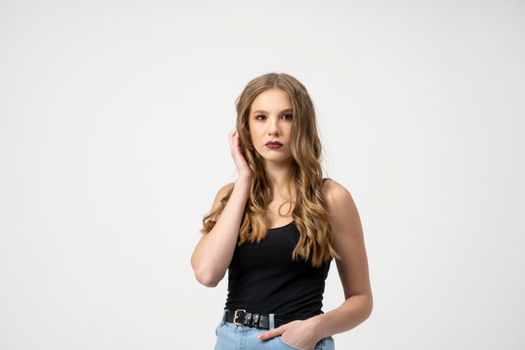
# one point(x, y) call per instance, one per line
point(326, 343)
point(289, 345)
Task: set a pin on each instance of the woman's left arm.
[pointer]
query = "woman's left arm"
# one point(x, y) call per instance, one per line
point(352, 267)
point(353, 272)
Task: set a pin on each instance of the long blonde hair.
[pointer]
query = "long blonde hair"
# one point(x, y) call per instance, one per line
point(310, 212)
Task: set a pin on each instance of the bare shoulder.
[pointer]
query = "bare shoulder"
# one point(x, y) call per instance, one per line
point(348, 241)
point(340, 202)
point(225, 188)
point(335, 193)
point(221, 193)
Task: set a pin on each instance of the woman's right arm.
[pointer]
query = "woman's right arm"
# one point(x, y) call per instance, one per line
point(213, 254)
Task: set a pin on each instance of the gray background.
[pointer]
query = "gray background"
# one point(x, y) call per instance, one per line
point(113, 143)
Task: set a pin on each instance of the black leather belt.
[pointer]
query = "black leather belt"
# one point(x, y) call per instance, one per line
point(245, 318)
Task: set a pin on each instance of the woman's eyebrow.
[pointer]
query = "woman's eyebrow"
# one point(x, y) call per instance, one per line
point(261, 111)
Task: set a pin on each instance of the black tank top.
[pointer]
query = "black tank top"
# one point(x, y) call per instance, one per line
point(263, 278)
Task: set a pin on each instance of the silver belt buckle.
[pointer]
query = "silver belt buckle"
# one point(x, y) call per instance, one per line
point(235, 316)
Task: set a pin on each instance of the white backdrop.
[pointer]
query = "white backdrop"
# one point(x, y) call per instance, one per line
point(114, 118)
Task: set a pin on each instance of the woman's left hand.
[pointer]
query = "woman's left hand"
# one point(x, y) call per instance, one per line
point(299, 333)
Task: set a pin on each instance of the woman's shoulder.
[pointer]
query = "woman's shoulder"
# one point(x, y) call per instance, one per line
point(221, 193)
point(335, 193)
point(330, 186)
point(226, 187)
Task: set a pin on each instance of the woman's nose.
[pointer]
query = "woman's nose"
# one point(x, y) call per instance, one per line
point(273, 127)
point(273, 131)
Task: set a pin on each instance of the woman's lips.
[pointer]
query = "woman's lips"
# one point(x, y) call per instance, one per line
point(273, 145)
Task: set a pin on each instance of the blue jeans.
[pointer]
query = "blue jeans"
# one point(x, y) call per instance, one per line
point(233, 337)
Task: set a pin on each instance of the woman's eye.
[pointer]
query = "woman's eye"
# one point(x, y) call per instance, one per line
point(284, 115)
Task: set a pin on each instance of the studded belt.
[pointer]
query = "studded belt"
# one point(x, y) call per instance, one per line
point(241, 317)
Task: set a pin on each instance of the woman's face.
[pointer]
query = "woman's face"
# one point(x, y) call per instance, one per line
point(270, 119)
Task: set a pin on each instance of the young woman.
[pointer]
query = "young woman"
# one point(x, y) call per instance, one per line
point(277, 228)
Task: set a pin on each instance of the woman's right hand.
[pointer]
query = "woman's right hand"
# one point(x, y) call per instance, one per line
point(240, 162)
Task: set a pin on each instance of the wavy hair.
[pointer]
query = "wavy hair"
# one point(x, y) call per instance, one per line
point(309, 212)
